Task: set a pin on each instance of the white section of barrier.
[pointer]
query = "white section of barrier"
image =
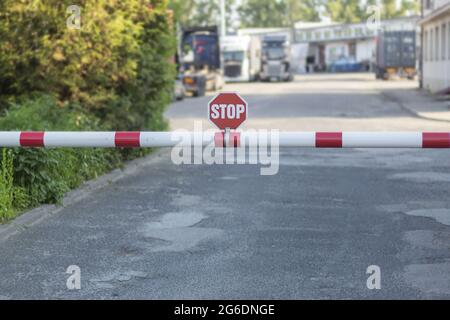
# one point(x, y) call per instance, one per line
point(382, 140)
point(9, 139)
point(179, 138)
point(79, 139)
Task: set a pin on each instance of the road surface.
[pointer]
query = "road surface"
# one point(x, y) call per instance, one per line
point(226, 232)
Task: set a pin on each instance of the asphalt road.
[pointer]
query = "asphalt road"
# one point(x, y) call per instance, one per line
point(225, 231)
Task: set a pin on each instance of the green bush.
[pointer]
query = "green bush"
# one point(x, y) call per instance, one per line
point(115, 73)
point(6, 186)
point(44, 175)
point(117, 66)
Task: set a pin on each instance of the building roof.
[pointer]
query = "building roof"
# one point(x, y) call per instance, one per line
point(352, 31)
point(308, 25)
point(324, 25)
point(246, 31)
point(435, 14)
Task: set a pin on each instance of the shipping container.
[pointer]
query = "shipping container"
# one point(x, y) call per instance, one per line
point(396, 54)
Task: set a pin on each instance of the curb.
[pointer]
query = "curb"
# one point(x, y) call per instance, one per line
point(411, 111)
point(39, 214)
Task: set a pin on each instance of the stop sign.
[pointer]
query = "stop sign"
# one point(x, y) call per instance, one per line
point(227, 110)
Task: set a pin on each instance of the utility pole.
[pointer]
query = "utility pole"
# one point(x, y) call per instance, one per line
point(422, 30)
point(223, 25)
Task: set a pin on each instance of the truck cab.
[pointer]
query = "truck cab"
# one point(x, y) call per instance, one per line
point(276, 59)
point(241, 57)
point(200, 59)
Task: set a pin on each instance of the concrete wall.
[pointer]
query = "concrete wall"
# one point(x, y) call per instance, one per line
point(299, 54)
point(365, 50)
point(435, 4)
point(436, 64)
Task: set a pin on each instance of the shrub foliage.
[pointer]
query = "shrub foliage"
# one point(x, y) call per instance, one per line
point(114, 73)
point(117, 65)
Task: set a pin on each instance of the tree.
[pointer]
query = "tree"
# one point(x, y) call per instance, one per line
point(391, 10)
point(306, 10)
point(410, 7)
point(182, 9)
point(277, 13)
point(262, 13)
point(346, 11)
point(200, 12)
point(352, 11)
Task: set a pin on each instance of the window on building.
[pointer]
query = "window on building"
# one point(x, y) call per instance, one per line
point(348, 33)
point(425, 46)
point(431, 46)
point(444, 42)
point(436, 45)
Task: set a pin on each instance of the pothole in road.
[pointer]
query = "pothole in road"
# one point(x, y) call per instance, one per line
point(106, 280)
point(228, 178)
point(176, 220)
point(429, 209)
point(178, 231)
point(440, 215)
point(428, 239)
point(422, 176)
point(429, 278)
point(185, 200)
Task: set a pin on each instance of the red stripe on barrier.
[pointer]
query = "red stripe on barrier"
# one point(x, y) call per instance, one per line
point(436, 140)
point(127, 139)
point(235, 140)
point(329, 139)
point(218, 140)
point(32, 139)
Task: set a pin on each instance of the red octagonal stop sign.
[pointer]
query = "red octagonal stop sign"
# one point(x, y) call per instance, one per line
point(227, 110)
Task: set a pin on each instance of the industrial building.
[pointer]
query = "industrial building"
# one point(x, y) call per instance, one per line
point(322, 45)
point(435, 25)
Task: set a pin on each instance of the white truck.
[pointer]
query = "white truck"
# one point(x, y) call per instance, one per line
point(241, 58)
point(276, 59)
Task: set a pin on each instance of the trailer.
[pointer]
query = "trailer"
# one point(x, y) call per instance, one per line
point(276, 59)
point(200, 59)
point(241, 57)
point(396, 55)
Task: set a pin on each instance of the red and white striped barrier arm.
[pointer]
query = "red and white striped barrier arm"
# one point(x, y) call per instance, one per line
point(236, 139)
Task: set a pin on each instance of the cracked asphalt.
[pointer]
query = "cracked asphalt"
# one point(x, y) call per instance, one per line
point(226, 232)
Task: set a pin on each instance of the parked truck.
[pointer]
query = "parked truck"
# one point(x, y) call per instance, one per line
point(276, 59)
point(200, 60)
point(396, 54)
point(241, 57)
